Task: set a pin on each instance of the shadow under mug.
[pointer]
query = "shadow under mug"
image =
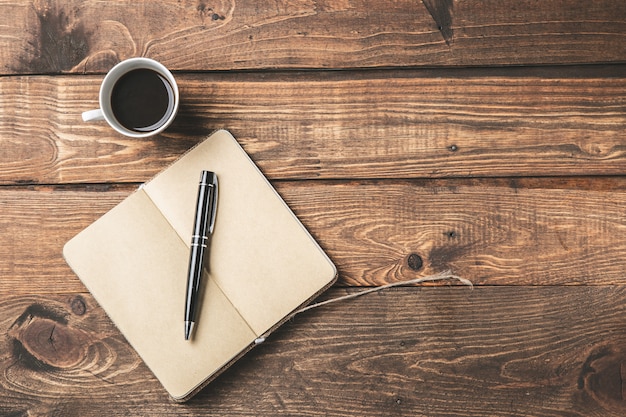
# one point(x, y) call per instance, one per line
point(138, 98)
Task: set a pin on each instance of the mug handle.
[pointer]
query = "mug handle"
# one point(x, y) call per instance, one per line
point(93, 115)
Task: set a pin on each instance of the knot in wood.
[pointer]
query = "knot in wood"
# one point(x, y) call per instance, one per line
point(415, 262)
point(78, 305)
point(43, 340)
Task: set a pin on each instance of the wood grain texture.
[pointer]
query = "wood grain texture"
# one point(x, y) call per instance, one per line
point(59, 348)
point(372, 124)
point(75, 36)
point(402, 153)
point(493, 232)
point(541, 351)
point(35, 224)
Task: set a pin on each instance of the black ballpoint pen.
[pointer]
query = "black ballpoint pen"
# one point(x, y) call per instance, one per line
point(206, 209)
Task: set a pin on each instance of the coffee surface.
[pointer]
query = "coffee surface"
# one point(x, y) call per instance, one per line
point(142, 100)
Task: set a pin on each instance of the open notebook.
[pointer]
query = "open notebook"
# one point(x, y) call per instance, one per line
point(263, 265)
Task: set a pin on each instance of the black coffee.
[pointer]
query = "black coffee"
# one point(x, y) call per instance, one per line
point(142, 100)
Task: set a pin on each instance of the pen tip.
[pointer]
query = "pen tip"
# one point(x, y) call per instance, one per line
point(188, 329)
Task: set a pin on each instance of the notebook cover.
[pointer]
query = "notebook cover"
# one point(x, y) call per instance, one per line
point(263, 265)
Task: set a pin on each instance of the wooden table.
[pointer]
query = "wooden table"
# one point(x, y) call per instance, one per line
point(410, 137)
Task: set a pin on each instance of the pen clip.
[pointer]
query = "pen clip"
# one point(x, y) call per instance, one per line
point(213, 202)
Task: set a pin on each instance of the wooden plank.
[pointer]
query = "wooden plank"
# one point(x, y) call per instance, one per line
point(407, 352)
point(78, 36)
point(378, 124)
point(493, 232)
point(35, 223)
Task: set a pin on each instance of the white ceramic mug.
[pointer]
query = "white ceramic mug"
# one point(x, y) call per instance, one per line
point(138, 98)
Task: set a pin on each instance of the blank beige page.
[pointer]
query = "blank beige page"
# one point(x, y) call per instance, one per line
point(260, 255)
point(135, 266)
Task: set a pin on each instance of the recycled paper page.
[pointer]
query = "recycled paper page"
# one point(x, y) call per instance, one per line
point(135, 266)
point(260, 255)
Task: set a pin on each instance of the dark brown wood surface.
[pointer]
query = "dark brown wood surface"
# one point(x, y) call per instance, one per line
point(447, 351)
point(77, 36)
point(410, 137)
point(358, 124)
